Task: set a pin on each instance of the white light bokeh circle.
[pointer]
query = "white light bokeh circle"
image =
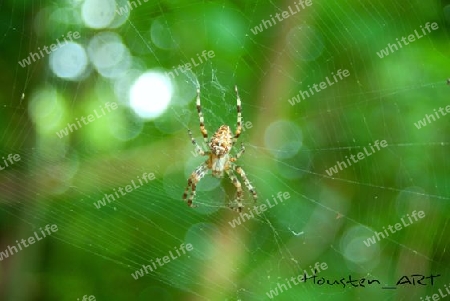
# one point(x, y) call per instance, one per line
point(283, 138)
point(161, 34)
point(122, 14)
point(109, 55)
point(69, 61)
point(150, 95)
point(98, 13)
point(358, 255)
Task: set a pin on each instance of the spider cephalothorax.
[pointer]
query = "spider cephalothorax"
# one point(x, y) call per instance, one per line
point(219, 160)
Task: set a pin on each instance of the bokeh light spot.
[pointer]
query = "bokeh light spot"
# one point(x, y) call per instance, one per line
point(305, 43)
point(98, 13)
point(69, 61)
point(150, 95)
point(283, 138)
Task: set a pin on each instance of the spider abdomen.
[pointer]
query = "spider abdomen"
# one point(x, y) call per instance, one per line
point(222, 141)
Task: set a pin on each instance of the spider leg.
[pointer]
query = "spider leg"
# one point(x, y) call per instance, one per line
point(239, 116)
point(238, 186)
point(247, 183)
point(239, 154)
point(198, 149)
point(194, 178)
point(202, 120)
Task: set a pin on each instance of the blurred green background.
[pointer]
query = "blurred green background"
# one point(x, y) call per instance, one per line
point(124, 56)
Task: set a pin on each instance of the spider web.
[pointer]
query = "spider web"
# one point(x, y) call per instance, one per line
point(288, 149)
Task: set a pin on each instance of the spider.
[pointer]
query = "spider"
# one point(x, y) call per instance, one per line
point(219, 160)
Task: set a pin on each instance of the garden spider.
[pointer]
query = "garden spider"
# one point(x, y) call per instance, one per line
point(219, 161)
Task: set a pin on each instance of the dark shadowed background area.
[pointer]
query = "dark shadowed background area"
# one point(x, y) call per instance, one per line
point(96, 97)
